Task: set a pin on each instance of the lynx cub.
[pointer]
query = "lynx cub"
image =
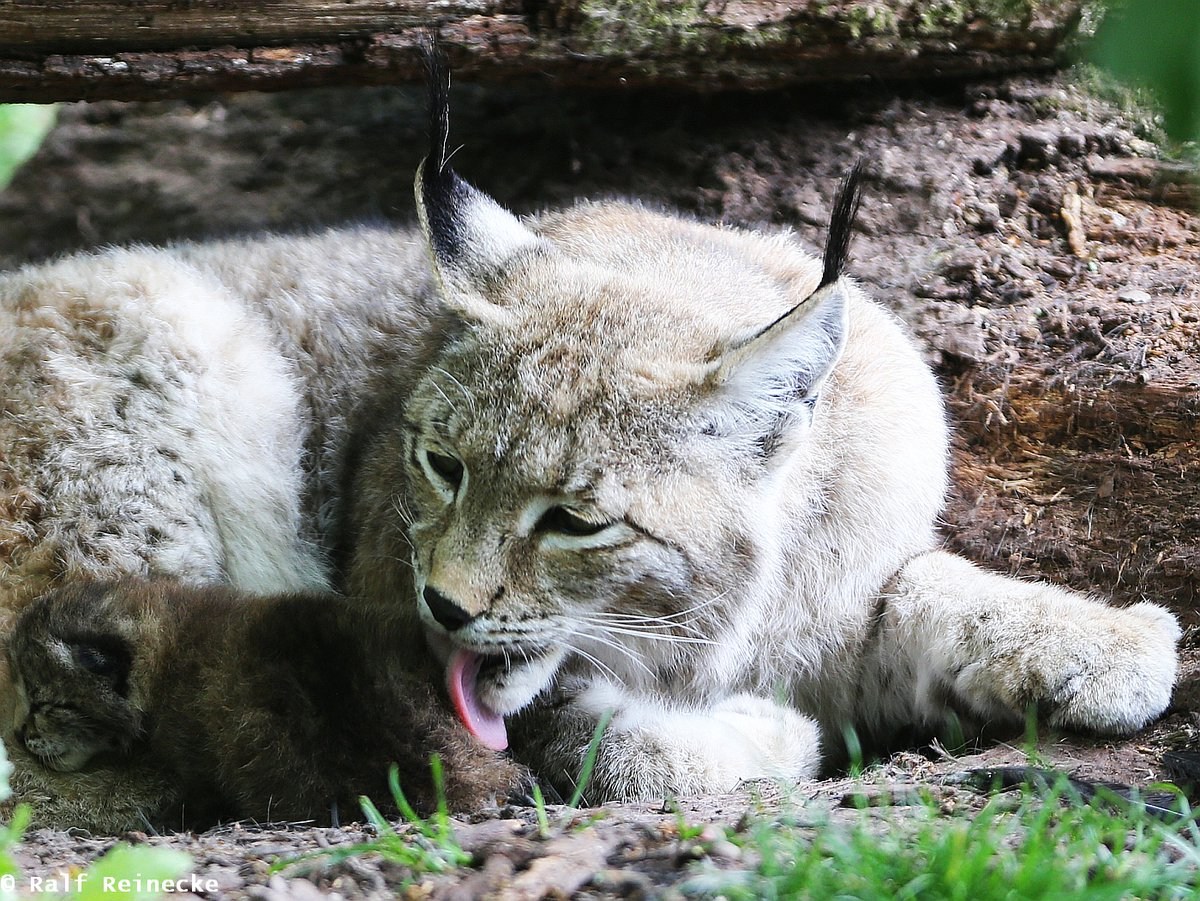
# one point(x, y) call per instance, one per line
point(280, 707)
point(604, 459)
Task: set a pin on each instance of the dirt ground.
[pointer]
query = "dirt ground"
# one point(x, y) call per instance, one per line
point(1025, 229)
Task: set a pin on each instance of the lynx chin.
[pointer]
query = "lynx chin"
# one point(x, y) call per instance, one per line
point(601, 459)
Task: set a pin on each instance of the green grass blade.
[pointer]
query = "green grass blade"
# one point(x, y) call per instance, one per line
point(406, 809)
point(589, 759)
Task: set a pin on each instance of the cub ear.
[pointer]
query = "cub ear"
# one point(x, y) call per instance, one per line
point(771, 379)
point(108, 657)
point(470, 236)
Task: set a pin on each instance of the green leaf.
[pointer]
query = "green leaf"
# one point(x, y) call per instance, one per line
point(22, 128)
point(1156, 44)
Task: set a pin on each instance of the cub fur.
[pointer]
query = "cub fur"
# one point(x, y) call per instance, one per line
point(271, 708)
point(605, 459)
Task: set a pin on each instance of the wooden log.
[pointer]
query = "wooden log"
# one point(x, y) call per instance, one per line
point(121, 49)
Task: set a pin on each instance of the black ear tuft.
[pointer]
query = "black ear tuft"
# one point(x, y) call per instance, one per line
point(841, 225)
point(441, 190)
point(438, 79)
point(470, 235)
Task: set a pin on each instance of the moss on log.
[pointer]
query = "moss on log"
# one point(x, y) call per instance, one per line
point(118, 49)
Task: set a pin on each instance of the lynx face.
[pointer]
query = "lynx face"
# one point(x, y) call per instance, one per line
point(583, 458)
point(72, 683)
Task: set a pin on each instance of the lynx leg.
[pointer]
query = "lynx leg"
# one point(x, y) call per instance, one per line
point(998, 644)
point(655, 749)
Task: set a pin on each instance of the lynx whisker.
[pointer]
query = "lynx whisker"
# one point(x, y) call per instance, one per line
point(678, 615)
point(608, 642)
point(401, 561)
point(449, 402)
point(408, 541)
point(402, 510)
point(612, 629)
point(594, 660)
point(661, 623)
point(459, 385)
point(406, 519)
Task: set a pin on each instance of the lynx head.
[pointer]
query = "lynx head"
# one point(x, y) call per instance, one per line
point(590, 459)
point(72, 655)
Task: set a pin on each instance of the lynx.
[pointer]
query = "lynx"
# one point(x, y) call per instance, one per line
point(284, 707)
point(606, 460)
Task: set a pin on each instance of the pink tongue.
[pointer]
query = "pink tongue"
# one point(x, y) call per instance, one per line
point(462, 672)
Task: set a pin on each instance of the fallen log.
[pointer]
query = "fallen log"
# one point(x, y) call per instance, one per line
point(118, 49)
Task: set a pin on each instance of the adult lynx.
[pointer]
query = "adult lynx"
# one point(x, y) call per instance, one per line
point(605, 459)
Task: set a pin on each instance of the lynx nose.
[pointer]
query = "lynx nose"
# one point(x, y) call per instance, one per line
point(445, 611)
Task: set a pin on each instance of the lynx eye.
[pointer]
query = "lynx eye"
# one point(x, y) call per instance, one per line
point(566, 522)
point(447, 467)
point(444, 471)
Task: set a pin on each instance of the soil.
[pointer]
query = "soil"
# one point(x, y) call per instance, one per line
point(1027, 231)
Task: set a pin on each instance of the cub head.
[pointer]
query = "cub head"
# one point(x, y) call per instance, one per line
point(73, 659)
point(590, 462)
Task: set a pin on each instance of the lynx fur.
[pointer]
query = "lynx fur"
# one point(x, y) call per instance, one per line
point(286, 707)
point(607, 459)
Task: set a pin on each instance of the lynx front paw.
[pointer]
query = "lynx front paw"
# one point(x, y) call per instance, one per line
point(1125, 678)
point(786, 744)
point(1101, 668)
point(653, 749)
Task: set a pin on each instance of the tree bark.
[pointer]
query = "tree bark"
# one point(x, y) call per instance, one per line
point(121, 49)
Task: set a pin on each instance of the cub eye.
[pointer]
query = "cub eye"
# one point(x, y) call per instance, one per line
point(563, 521)
point(96, 661)
point(110, 660)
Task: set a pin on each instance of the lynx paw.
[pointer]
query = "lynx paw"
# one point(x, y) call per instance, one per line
point(787, 744)
point(1124, 680)
point(1102, 669)
point(655, 750)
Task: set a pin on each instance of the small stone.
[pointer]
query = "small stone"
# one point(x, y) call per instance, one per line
point(987, 161)
point(1072, 144)
point(982, 215)
point(1037, 148)
point(963, 264)
point(725, 850)
point(980, 166)
point(1133, 295)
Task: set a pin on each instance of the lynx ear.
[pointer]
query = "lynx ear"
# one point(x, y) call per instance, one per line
point(771, 379)
point(470, 236)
